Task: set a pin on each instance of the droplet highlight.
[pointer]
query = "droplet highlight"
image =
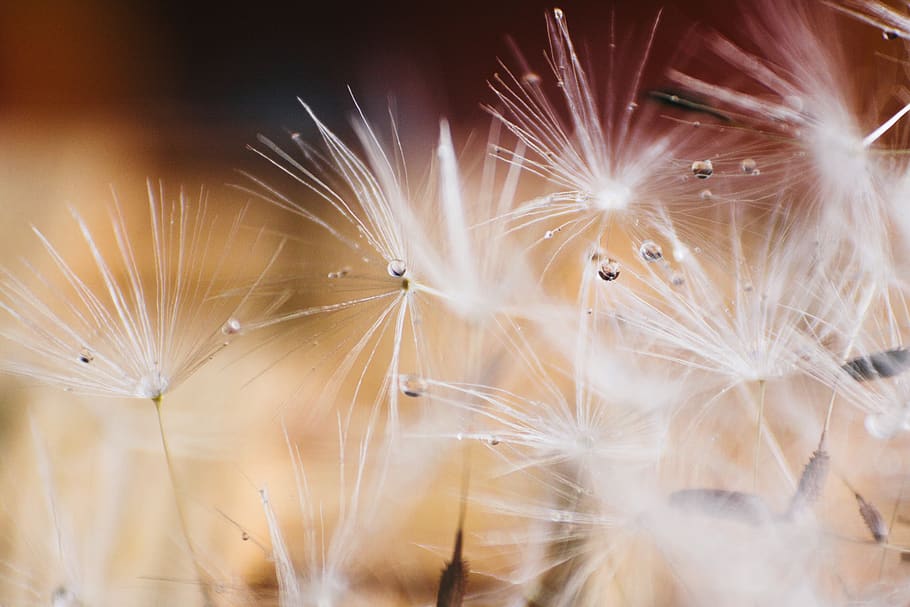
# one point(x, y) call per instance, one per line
point(411, 385)
point(231, 327)
point(650, 251)
point(702, 169)
point(397, 268)
point(609, 270)
point(749, 167)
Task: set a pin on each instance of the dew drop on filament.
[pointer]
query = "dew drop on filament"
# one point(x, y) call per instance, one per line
point(412, 386)
point(749, 166)
point(86, 356)
point(609, 270)
point(650, 251)
point(397, 268)
point(889, 35)
point(231, 327)
point(548, 234)
point(702, 169)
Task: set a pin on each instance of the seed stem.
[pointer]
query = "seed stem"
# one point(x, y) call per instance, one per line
point(181, 515)
point(758, 427)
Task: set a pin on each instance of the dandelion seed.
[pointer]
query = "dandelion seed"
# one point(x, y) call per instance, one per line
point(812, 481)
point(873, 519)
point(887, 363)
point(702, 169)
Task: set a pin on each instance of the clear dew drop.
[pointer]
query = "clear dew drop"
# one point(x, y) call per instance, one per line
point(702, 169)
point(609, 270)
point(677, 279)
point(459, 436)
point(548, 234)
point(650, 251)
point(890, 35)
point(411, 385)
point(245, 536)
point(749, 167)
point(340, 273)
point(493, 440)
point(705, 195)
point(86, 356)
point(557, 12)
point(558, 516)
point(531, 78)
point(231, 327)
point(397, 268)
point(881, 425)
point(632, 107)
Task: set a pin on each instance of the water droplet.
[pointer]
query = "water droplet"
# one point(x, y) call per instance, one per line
point(459, 436)
point(245, 536)
point(493, 440)
point(749, 166)
point(531, 78)
point(411, 385)
point(86, 356)
point(340, 273)
point(609, 270)
point(632, 107)
point(882, 425)
point(397, 268)
point(558, 516)
point(702, 169)
point(231, 327)
point(650, 251)
point(677, 279)
point(706, 194)
point(890, 35)
point(557, 12)
point(548, 234)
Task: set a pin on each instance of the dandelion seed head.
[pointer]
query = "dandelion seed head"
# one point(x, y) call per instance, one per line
point(612, 195)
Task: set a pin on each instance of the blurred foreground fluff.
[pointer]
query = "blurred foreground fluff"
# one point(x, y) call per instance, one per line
point(644, 348)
